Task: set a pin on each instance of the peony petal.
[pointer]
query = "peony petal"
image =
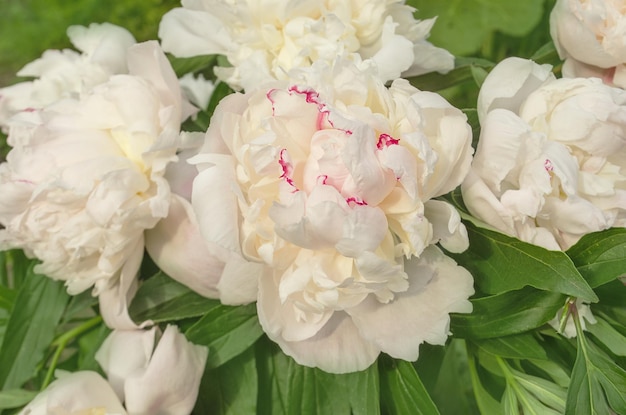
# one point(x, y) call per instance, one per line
point(78, 392)
point(177, 247)
point(438, 287)
point(187, 33)
point(114, 299)
point(124, 353)
point(217, 179)
point(447, 227)
point(337, 348)
point(509, 83)
point(170, 383)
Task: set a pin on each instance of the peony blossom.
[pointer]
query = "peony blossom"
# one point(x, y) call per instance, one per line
point(67, 73)
point(265, 40)
point(324, 187)
point(136, 383)
point(590, 35)
point(551, 159)
point(85, 178)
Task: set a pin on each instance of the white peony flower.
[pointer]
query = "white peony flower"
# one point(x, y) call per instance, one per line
point(85, 178)
point(66, 73)
point(551, 160)
point(136, 383)
point(323, 190)
point(264, 40)
point(590, 35)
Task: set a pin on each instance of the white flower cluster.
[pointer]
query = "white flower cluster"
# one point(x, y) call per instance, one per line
point(314, 192)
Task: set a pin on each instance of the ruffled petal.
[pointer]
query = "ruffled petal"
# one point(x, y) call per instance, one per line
point(437, 287)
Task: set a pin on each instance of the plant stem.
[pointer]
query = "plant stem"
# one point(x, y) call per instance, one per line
point(62, 341)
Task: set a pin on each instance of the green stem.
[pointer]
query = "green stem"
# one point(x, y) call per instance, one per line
point(62, 341)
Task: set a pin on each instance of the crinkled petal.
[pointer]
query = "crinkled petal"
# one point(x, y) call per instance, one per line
point(437, 287)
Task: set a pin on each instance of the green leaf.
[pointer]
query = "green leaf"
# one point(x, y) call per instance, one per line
point(162, 299)
point(501, 263)
point(39, 305)
point(600, 256)
point(597, 383)
point(518, 346)
point(402, 391)
point(230, 389)
point(7, 297)
point(464, 25)
point(509, 402)
point(14, 398)
point(486, 403)
point(465, 70)
point(194, 64)
point(508, 313)
point(227, 331)
point(608, 336)
point(88, 345)
point(548, 393)
point(288, 388)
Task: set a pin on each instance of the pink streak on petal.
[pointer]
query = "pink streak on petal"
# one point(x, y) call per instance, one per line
point(385, 140)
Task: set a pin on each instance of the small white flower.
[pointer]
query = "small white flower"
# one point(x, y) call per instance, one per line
point(142, 379)
point(324, 186)
point(591, 36)
point(265, 40)
point(67, 73)
point(550, 162)
point(85, 178)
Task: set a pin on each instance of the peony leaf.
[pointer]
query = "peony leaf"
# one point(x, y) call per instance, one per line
point(32, 324)
point(608, 336)
point(517, 346)
point(288, 388)
point(14, 398)
point(230, 389)
point(501, 263)
point(507, 313)
point(463, 26)
point(485, 401)
point(162, 299)
point(194, 64)
point(597, 382)
point(402, 391)
point(600, 256)
point(227, 330)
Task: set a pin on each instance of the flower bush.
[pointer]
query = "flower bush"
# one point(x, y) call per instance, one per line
point(320, 210)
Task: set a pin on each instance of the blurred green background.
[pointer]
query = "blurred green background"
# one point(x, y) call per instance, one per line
point(28, 27)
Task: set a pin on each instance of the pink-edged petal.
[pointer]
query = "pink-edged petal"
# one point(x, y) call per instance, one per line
point(177, 247)
point(437, 287)
point(447, 227)
point(114, 299)
point(78, 392)
point(123, 353)
point(509, 83)
point(170, 383)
